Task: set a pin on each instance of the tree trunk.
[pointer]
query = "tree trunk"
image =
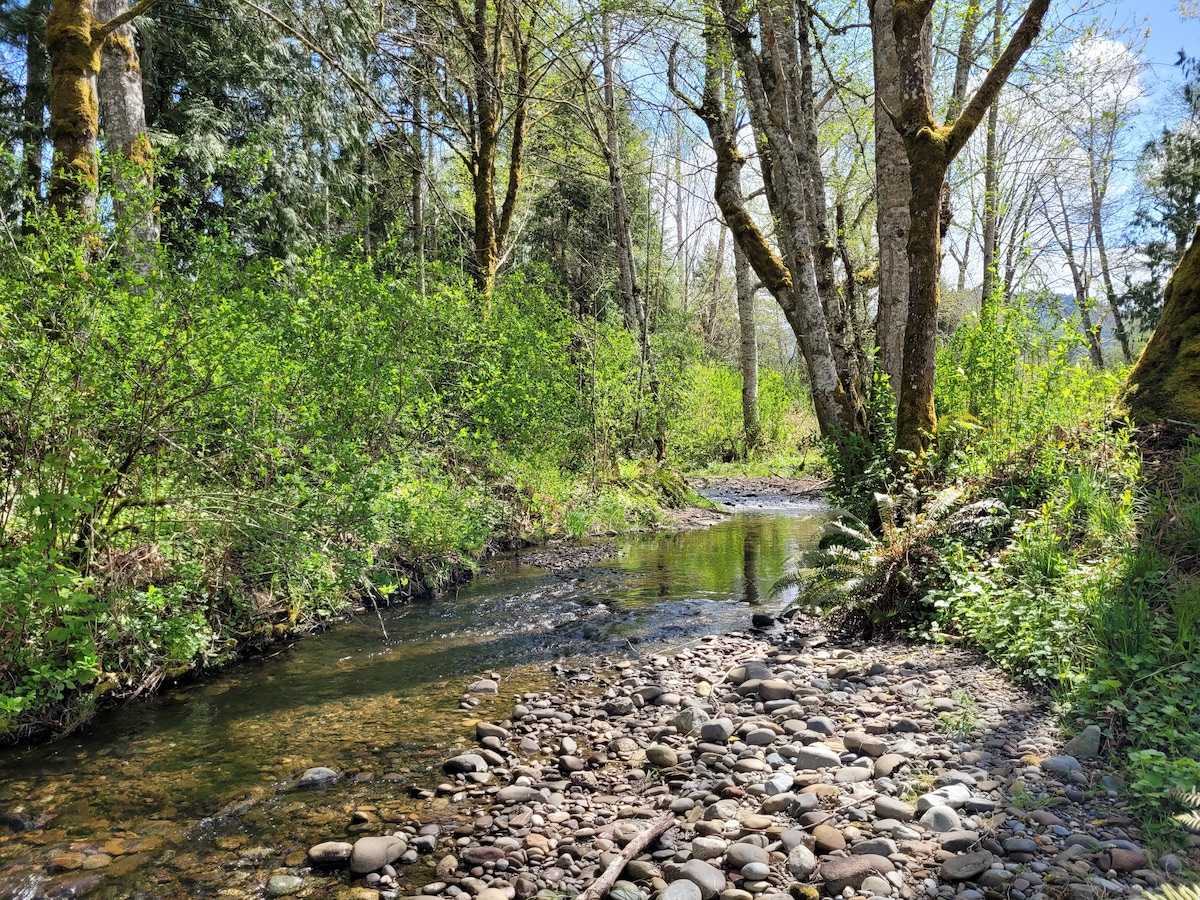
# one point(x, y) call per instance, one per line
point(747, 346)
point(1165, 381)
point(1106, 273)
point(33, 134)
point(893, 192)
point(930, 148)
point(119, 86)
point(631, 295)
point(991, 217)
point(74, 117)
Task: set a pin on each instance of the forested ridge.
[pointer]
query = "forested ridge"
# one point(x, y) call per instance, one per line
point(307, 307)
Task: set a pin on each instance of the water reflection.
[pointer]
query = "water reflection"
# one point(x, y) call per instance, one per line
point(351, 699)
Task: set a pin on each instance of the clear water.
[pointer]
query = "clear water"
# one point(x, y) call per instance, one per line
point(184, 795)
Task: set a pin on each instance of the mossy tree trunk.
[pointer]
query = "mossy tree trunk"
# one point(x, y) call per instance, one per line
point(1165, 381)
point(33, 133)
point(75, 39)
point(930, 148)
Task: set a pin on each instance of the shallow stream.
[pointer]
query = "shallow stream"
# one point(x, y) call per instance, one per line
point(185, 795)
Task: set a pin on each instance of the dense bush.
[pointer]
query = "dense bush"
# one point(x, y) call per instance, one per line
point(224, 451)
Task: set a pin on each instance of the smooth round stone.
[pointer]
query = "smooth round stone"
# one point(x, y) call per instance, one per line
point(760, 737)
point(967, 866)
point(941, 819)
point(889, 763)
point(773, 689)
point(748, 671)
point(330, 853)
point(741, 854)
point(283, 885)
point(709, 879)
point(852, 775)
point(874, 886)
point(891, 808)
point(875, 846)
point(828, 838)
point(708, 847)
point(465, 763)
point(750, 764)
point(822, 725)
point(317, 776)
point(486, 686)
point(736, 894)
point(491, 893)
point(717, 731)
point(756, 871)
point(683, 889)
point(755, 822)
point(1061, 765)
point(662, 756)
point(488, 730)
point(958, 841)
point(516, 793)
point(1020, 845)
point(370, 854)
point(841, 872)
point(817, 756)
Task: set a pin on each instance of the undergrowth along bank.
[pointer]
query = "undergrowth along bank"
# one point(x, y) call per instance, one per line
point(1059, 541)
point(228, 451)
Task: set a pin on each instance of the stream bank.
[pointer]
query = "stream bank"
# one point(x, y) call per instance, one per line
point(791, 766)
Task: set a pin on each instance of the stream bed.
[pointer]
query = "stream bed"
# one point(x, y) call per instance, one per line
point(188, 794)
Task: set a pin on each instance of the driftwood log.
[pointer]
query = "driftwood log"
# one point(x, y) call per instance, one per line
point(602, 885)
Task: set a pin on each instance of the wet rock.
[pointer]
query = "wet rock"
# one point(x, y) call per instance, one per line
point(330, 853)
point(65, 862)
point(465, 763)
point(485, 730)
point(370, 854)
point(316, 777)
point(516, 793)
point(485, 686)
point(283, 885)
point(967, 866)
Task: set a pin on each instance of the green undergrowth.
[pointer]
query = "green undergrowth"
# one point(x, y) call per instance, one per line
point(1061, 543)
point(228, 451)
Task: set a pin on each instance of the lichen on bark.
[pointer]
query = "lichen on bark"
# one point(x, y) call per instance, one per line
point(1165, 381)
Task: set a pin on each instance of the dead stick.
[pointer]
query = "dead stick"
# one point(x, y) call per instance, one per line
point(604, 883)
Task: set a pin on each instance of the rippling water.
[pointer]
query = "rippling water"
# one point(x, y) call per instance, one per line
point(184, 795)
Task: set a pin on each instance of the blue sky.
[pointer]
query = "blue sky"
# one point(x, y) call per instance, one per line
point(1168, 34)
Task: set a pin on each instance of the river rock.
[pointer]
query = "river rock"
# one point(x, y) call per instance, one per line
point(662, 756)
point(889, 763)
point(800, 862)
point(485, 686)
point(283, 885)
point(465, 763)
point(619, 706)
point(1061, 765)
point(683, 889)
point(749, 670)
point(330, 853)
point(716, 731)
point(479, 855)
point(688, 720)
point(967, 866)
point(487, 729)
point(371, 854)
point(941, 819)
point(1086, 744)
point(742, 854)
point(817, 756)
point(709, 879)
point(707, 847)
point(516, 793)
point(316, 777)
point(879, 846)
point(891, 808)
point(841, 872)
point(828, 838)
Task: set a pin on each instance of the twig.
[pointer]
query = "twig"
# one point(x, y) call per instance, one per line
point(604, 883)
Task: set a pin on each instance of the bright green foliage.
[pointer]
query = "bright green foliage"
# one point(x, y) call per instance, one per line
point(708, 421)
point(223, 454)
point(1006, 380)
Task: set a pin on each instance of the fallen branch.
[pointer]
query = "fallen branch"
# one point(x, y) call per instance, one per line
point(604, 883)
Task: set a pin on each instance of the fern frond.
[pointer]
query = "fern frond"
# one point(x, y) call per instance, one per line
point(943, 503)
point(1190, 798)
point(845, 533)
point(1190, 821)
point(1175, 892)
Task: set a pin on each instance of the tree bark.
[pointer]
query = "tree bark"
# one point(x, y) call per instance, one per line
point(893, 193)
point(747, 346)
point(33, 134)
point(930, 149)
point(119, 87)
point(1106, 273)
point(75, 39)
point(1165, 381)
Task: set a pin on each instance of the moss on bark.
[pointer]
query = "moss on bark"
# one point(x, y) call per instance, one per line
point(1165, 382)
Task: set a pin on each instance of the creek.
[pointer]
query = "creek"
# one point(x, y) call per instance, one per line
point(186, 794)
